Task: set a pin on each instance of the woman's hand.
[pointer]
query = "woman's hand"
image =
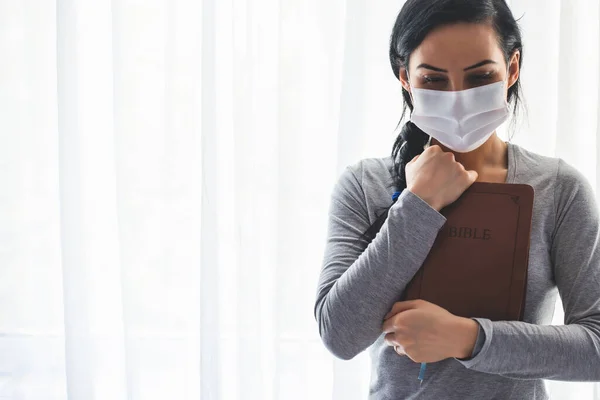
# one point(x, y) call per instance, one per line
point(436, 177)
point(429, 333)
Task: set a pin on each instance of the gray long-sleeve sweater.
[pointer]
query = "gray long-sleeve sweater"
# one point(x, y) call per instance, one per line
point(360, 282)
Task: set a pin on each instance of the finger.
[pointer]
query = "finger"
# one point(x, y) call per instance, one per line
point(415, 158)
point(395, 324)
point(473, 175)
point(390, 339)
point(433, 148)
point(388, 326)
point(400, 350)
point(401, 306)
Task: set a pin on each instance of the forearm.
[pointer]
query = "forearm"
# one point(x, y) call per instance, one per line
point(528, 351)
point(350, 307)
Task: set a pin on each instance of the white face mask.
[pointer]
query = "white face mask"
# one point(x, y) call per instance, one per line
point(462, 120)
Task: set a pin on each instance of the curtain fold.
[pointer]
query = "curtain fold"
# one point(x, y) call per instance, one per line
point(166, 169)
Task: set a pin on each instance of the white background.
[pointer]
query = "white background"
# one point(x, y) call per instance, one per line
point(165, 171)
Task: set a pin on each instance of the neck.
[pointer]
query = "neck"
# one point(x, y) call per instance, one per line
point(492, 154)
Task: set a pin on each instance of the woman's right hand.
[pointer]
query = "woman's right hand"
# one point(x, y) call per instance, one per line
point(437, 178)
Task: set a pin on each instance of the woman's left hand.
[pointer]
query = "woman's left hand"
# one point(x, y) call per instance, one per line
point(429, 333)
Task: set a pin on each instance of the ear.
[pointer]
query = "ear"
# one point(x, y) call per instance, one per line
point(513, 68)
point(403, 76)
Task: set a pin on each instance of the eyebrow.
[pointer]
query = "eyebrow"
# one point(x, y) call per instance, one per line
point(479, 64)
point(427, 66)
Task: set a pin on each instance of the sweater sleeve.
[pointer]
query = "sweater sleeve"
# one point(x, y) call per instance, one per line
point(360, 281)
point(569, 352)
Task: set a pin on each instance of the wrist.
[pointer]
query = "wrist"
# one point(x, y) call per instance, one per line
point(465, 337)
point(432, 203)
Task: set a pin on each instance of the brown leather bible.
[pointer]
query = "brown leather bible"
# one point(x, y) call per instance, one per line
point(477, 266)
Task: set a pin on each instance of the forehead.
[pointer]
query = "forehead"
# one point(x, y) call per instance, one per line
point(457, 46)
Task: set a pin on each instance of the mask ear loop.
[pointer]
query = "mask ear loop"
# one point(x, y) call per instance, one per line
point(409, 85)
point(507, 88)
point(413, 101)
point(428, 143)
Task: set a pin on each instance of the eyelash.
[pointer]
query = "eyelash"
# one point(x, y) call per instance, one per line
point(428, 79)
point(476, 78)
point(482, 77)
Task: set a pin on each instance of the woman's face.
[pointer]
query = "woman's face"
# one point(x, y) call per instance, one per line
point(458, 57)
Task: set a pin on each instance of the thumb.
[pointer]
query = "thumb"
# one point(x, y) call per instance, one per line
point(400, 306)
point(473, 175)
point(414, 159)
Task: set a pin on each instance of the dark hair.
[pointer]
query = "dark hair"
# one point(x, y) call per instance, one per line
point(416, 20)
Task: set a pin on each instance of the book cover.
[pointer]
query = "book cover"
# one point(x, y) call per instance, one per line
point(477, 266)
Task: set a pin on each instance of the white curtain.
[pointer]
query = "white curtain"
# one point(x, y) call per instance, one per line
point(165, 171)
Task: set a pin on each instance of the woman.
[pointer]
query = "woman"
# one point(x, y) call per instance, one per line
point(466, 52)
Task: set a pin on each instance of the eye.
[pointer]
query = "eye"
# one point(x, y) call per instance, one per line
point(427, 79)
point(484, 77)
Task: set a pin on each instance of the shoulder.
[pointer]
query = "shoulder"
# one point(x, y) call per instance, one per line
point(377, 172)
point(569, 178)
point(564, 173)
point(546, 172)
point(531, 165)
point(565, 181)
point(572, 188)
point(367, 183)
point(373, 172)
